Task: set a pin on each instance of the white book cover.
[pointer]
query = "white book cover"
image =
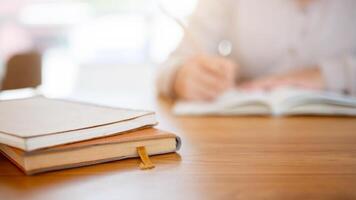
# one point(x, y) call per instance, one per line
point(39, 122)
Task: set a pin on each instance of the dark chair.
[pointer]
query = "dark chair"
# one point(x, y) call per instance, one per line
point(23, 71)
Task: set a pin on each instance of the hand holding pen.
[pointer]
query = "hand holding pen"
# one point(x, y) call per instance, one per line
point(203, 76)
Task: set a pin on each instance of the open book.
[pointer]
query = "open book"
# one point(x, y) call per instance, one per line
point(282, 101)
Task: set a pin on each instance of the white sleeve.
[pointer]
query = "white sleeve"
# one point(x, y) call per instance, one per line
point(207, 26)
point(340, 74)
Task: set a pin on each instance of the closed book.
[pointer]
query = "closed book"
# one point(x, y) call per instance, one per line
point(39, 122)
point(93, 151)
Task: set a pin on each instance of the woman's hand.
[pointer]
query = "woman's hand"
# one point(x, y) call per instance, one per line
point(204, 78)
point(306, 78)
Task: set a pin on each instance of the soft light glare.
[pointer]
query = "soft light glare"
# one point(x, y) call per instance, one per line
point(108, 34)
point(166, 36)
point(55, 13)
point(59, 73)
point(181, 8)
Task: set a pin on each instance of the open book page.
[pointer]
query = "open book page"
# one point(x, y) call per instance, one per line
point(281, 101)
point(292, 101)
point(233, 102)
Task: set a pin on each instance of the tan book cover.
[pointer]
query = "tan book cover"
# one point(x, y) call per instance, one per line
point(93, 151)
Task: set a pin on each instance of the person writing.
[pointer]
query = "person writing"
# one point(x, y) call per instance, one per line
point(302, 43)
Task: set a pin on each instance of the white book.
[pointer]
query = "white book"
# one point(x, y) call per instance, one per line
point(282, 101)
point(39, 122)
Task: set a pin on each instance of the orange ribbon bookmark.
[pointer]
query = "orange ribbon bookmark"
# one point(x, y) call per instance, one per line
point(145, 159)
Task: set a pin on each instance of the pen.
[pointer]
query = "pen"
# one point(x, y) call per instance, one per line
point(224, 47)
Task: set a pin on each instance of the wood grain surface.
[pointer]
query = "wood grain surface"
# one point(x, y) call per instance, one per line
point(221, 158)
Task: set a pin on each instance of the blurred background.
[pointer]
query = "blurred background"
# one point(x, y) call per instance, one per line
point(91, 45)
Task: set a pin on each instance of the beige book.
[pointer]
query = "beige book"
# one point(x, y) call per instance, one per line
point(94, 151)
point(39, 122)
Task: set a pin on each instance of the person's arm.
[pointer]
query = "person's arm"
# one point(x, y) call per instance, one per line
point(207, 27)
point(337, 75)
point(340, 74)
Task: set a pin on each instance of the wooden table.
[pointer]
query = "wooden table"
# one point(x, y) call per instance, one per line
point(221, 158)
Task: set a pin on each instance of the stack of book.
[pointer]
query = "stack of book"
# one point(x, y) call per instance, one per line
point(39, 134)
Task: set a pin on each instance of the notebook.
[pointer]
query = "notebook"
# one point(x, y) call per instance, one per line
point(93, 151)
point(282, 101)
point(39, 122)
